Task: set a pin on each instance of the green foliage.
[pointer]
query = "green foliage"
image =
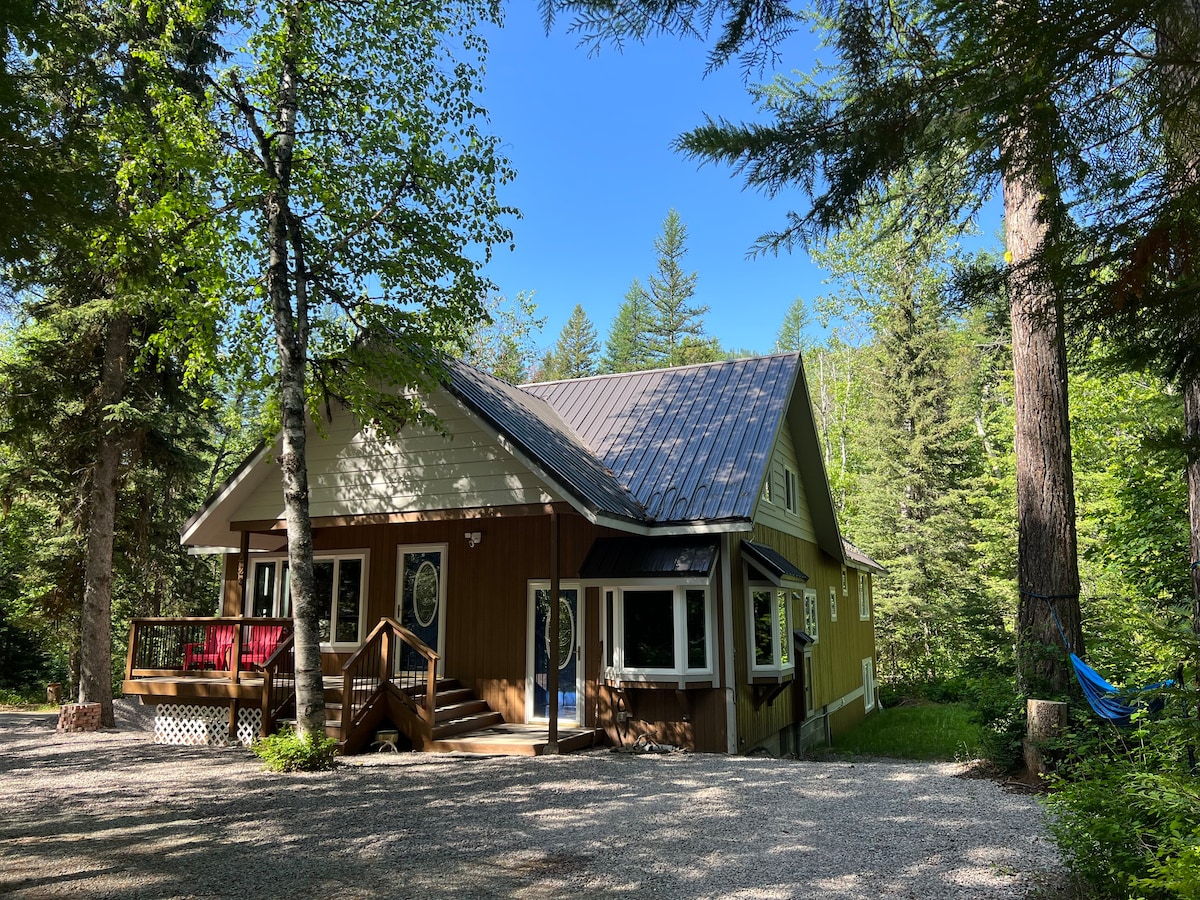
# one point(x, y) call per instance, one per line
point(576, 355)
point(923, 731)
point(1127, 810)
point(504, 345)
point(627, 349)
point(286, 751)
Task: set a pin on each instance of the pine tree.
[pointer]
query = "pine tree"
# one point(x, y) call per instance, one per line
point(576, 353)
point(675, 329)
point(627, 348)
point(793, 336)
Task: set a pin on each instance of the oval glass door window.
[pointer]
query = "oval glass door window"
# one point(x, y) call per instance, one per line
point(425, 593)
point(566, 633)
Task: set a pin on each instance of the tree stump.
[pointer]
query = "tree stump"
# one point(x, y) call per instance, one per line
point(1047, 719)
point(54, 693)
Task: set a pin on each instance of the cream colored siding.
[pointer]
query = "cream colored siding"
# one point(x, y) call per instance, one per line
point(352, 473)
point(775, 513)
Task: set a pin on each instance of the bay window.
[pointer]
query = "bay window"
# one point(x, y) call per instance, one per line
point(655, 632)
point(770, 630)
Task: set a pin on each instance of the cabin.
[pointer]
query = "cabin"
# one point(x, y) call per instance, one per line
point(681, 517)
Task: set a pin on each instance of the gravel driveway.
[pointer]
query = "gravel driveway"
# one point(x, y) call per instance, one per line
point(113, 815)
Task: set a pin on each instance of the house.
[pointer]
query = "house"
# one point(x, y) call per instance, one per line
point(706, 596)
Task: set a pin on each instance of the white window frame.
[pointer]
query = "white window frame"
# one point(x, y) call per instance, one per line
point(864, 597)
point(812, 615)
point(845, 583)
point(832, 604)
point(868, 674)
point(778, 634)
point(791, 491)
point(278, 560)
point(618, 670)
point(766, 489)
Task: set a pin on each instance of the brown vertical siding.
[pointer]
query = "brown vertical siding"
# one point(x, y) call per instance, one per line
point(487, 618)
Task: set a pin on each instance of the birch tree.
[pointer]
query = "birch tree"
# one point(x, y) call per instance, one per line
point(356, 157)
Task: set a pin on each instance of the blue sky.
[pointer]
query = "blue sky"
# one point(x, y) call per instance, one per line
point(589, 137)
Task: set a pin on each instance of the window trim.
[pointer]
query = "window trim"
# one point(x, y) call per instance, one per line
point(868, 673)
point(444, 548)
point(791, 491)
point(776, 667)
point(864, 597)
point(812, 627)
point(767, 493)
point(278, 560)
point(612, 622)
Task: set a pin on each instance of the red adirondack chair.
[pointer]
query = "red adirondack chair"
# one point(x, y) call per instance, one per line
point(213, 653)
point(258, 643)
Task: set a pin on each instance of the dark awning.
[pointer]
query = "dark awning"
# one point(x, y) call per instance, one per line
point(771, 563)
point(639, 557)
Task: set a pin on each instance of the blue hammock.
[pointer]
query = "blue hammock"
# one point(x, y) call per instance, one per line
point(1108, 700)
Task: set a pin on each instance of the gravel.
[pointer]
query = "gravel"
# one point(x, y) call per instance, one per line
point(111, 814)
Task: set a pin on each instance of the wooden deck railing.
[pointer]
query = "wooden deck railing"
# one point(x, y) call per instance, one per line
point(391, 653)
point(198, 647)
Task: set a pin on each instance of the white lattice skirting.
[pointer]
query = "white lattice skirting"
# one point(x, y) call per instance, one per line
point(192, 725)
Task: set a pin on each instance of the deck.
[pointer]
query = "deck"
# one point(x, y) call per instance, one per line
point(376, 690)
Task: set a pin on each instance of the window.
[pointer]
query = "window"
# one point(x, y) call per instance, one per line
point(833, 604)
point(771, 629)
point(868, 673)
point(338, 581)
point(812, 620)
point(766, 490)
point(864, 597)
point(657, 631)
point(791, 492)
point(845, 583)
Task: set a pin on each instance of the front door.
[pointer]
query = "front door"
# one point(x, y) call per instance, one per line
point(565, 649)
point(421, 600)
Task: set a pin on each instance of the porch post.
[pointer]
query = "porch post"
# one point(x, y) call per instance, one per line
point(553, 650)
point(243, 573)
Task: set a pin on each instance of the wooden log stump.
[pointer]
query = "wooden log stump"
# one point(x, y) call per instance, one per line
point(79, 717)
point(1046, 720)
point(54, 693)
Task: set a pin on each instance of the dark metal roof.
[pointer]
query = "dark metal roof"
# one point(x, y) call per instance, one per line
point(675, 557)
point(771, 561)
point(533, 426)
point(860, 559)
point(691, 443)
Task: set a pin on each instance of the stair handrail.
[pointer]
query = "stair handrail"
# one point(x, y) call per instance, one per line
point(379, 649)
point(281, 662)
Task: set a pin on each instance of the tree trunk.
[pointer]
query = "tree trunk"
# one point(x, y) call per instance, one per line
point(1047, 566)
point(291, 327)
point(95, 657)
point(1191, 416)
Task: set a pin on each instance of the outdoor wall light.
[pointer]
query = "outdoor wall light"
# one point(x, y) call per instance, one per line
point(473, 538)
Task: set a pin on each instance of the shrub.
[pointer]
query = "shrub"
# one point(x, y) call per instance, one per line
point(286, 751)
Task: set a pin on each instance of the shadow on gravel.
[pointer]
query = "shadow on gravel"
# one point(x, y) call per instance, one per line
point(112, 815)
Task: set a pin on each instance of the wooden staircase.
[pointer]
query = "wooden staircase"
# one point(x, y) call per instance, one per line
point(436, 715)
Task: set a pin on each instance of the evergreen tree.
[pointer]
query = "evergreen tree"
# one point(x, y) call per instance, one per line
point(576, 353)
point(793, 336)
point(675, 329)
point(627, 349)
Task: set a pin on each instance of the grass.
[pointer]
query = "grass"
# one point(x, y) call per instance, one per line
point(926, 732)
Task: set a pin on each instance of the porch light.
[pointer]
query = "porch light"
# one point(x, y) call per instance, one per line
point(473, 538)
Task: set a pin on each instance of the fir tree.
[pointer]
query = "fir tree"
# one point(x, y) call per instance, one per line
point(577, 351)
point(627, 348)
point(675, 330)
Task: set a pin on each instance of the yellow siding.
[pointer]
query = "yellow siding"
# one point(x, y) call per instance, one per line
point(775, 513)
point(837, 656)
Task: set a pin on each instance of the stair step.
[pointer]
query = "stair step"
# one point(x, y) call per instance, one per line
point(453, 696)
point(467, 707)
point(467, 723)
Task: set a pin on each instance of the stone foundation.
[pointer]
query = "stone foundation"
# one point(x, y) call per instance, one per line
point(79, 717)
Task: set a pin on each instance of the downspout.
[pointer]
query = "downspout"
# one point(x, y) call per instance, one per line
point(730, 681)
